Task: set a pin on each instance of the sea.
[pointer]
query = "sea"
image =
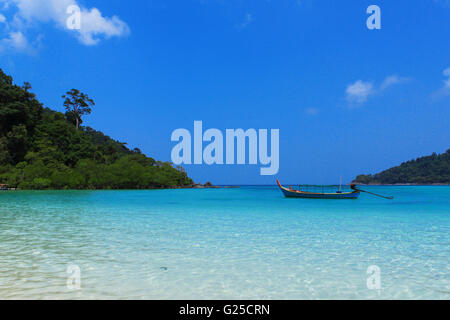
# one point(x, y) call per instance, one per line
point(243, 243)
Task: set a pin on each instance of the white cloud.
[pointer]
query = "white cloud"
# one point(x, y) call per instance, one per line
point(312, 111)
point(15, 41)
point(247, 20)
point(443, 91)
point(94, 26)
point(447, 72)
point(447, 84)
point(393, 80)
point(2, 18)
point(447, 81)
point(359, 91)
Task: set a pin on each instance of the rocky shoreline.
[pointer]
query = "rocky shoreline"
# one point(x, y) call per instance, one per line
point(207, 185)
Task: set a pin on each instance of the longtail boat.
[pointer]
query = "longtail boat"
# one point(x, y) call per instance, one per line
point(291, 193)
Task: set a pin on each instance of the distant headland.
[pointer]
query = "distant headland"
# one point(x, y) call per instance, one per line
point(429, 170)
point(42, 149)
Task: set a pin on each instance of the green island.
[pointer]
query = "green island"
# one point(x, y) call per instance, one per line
point(434, 169)
point(44, 149)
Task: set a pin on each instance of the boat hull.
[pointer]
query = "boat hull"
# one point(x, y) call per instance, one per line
point(310, 195)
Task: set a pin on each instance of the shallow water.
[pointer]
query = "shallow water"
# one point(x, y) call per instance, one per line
point(247, 243)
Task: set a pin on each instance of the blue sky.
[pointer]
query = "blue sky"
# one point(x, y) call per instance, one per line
point(347, 100)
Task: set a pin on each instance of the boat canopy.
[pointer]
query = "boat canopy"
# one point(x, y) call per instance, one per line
point(320, 188)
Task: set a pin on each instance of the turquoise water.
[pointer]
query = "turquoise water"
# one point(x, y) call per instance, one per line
point(247, 243)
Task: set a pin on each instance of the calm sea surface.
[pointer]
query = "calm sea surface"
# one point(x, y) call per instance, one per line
point(247, 243)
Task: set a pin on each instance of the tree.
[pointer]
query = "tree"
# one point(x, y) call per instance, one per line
point(5, 157)
point(77, 104)
point(26, 86)
point(17, 142)
point(41, 149)
point(425, 170)
point(73, 118)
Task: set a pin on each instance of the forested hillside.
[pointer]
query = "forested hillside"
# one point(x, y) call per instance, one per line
point(44, 149)
point(434, 169)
